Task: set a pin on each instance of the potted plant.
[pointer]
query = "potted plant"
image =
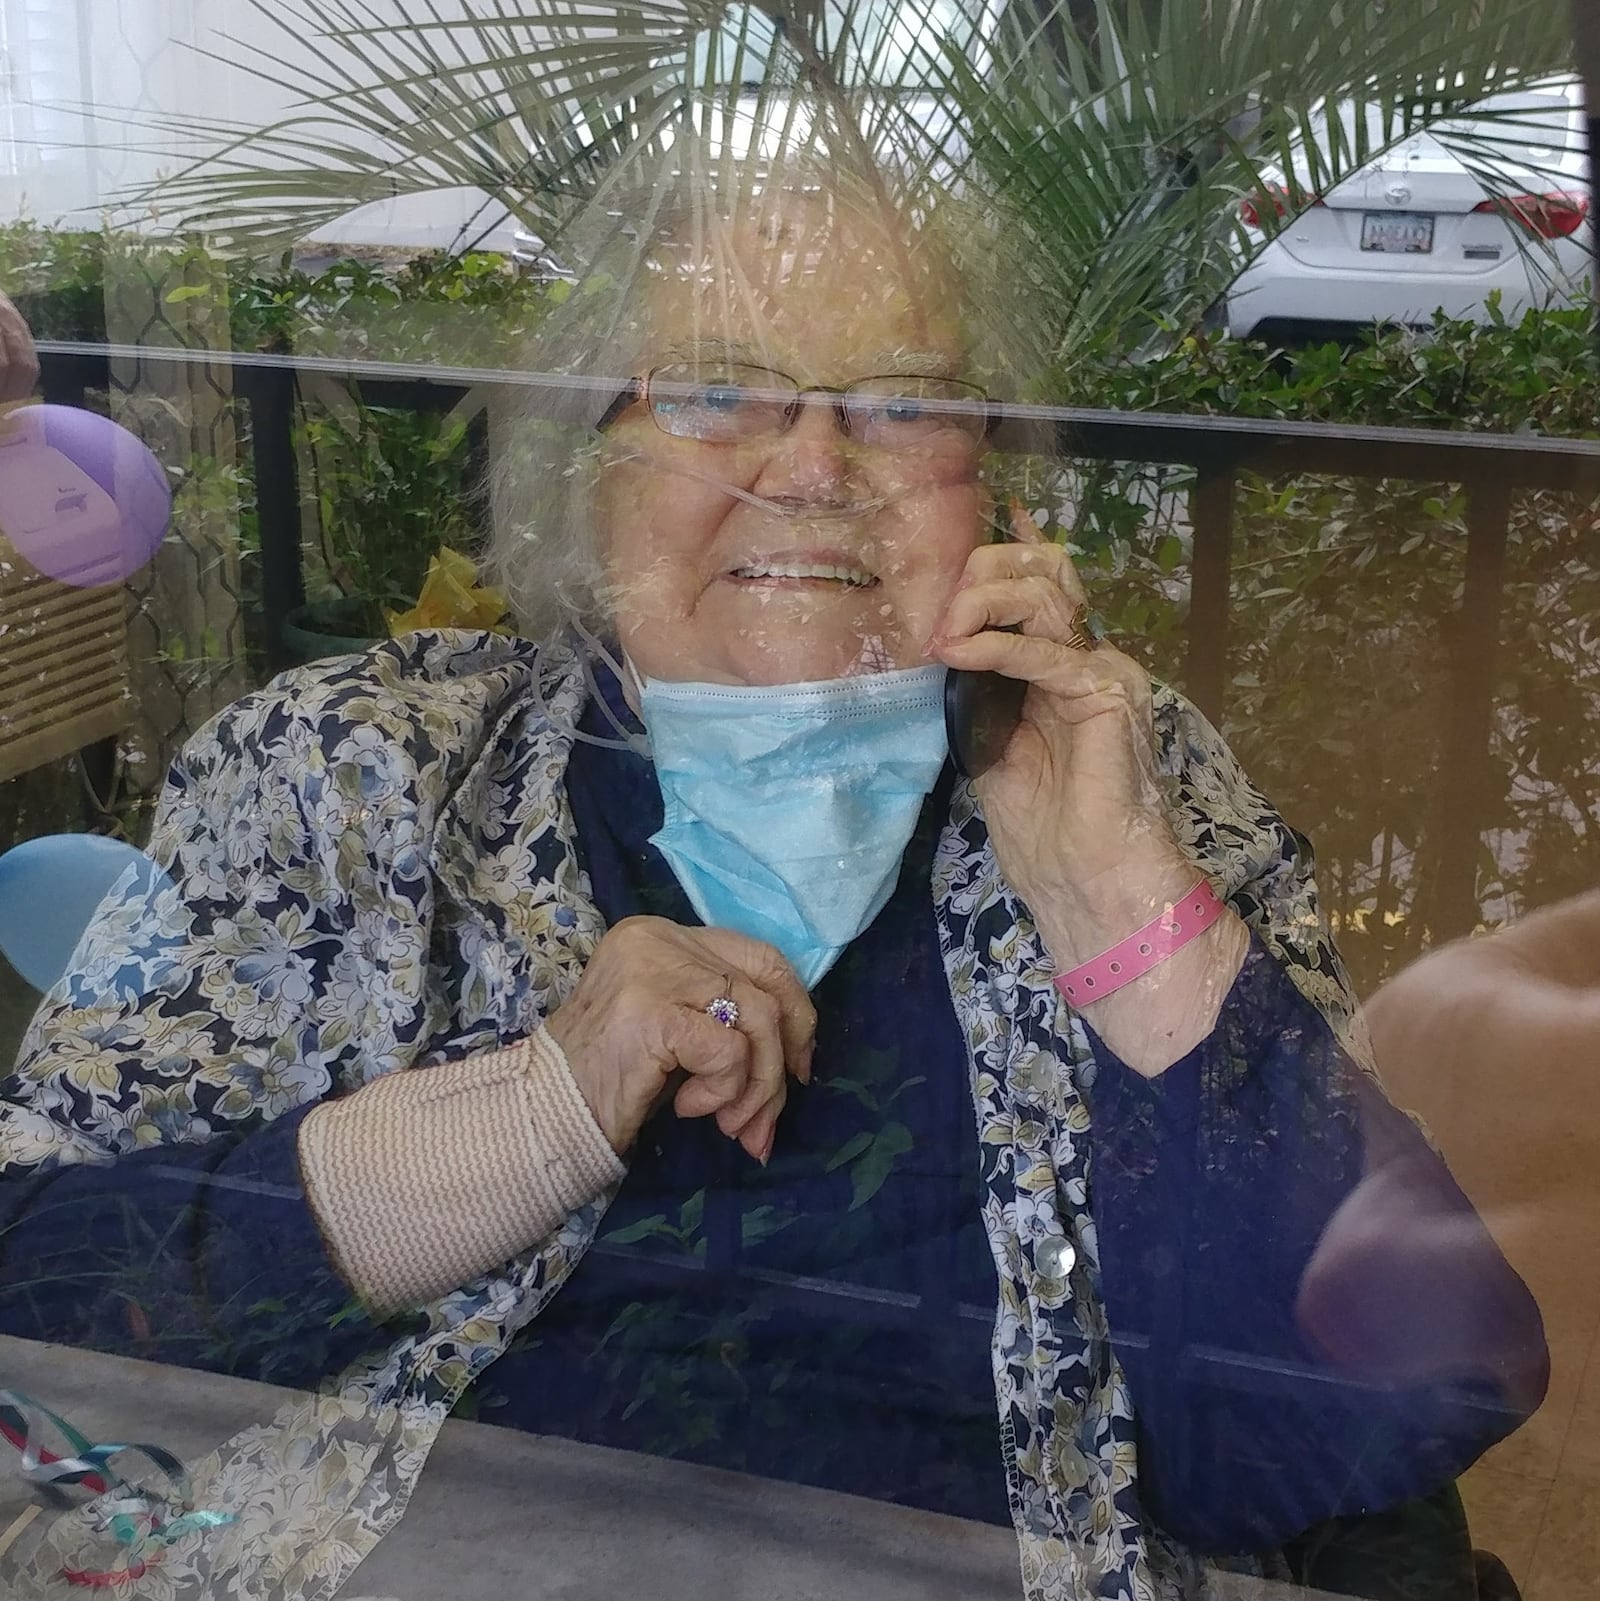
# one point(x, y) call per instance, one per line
point(394, 507)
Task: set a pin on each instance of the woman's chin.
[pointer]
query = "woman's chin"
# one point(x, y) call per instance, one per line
point(796, 639)
point(813, 659)
point(737, 635)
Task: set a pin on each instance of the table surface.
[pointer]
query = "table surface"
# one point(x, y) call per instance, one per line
point(498, 1513)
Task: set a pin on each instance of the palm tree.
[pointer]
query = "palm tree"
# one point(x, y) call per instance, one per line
point(1121, 133)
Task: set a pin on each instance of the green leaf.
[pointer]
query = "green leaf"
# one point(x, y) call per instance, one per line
point(1123, 137)
point(853, 1088)
point(762, 1223)
point(647, 1228)
point(849, 1151)
point(351, 1312)
point(870, 1172)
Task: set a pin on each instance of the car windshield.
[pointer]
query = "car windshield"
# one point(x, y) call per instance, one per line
point(796, 802)
point(1533, 131)
point(1526, 131)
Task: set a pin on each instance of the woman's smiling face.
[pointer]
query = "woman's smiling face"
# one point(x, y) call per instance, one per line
point(846, 553)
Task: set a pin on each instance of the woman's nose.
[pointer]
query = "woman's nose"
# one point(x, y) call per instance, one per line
point(814, 453)
point(821, 417)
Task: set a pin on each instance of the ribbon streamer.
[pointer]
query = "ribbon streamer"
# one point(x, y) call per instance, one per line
point(142, 1522)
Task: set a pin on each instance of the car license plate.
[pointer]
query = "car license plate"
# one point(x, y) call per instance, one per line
point(1401, 233)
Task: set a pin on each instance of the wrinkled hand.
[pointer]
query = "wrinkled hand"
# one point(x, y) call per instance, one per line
point(1072, 806)
point(1074, 811)
point(637, 1024)
point(19, 361)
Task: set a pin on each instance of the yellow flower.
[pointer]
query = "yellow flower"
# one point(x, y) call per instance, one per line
point(451, 598)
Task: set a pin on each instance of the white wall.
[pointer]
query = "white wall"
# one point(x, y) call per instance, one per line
point(81, 81)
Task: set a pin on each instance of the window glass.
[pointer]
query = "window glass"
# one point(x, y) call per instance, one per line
point(799, 799)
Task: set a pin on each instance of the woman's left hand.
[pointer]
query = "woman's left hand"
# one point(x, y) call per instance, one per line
point(1073, 807)
point(1074, 810)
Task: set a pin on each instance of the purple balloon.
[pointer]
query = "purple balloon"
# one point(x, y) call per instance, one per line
point(81, 498)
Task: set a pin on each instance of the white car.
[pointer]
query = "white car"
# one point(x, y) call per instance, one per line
point(1420, 229)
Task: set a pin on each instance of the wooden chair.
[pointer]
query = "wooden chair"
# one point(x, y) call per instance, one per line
point(63, 666)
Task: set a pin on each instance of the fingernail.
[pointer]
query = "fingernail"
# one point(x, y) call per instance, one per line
point(766, 1149)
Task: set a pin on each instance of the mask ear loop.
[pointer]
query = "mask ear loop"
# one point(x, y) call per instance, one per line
point(631, 739)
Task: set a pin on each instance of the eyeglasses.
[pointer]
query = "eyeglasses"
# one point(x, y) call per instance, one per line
point(730, 403)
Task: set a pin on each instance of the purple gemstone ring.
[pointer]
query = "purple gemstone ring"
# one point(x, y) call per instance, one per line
point(724, 1008)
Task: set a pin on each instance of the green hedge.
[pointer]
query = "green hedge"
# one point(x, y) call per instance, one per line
point(390, 309)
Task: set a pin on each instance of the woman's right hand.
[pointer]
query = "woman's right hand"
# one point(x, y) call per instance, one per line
point(637, 1021)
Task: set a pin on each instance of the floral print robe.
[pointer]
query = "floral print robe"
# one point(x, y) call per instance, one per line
point(371, 867)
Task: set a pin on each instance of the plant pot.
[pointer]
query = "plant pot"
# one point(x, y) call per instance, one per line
point(325, 628)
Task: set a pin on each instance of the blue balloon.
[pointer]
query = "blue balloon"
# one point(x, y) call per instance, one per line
point(50, 889)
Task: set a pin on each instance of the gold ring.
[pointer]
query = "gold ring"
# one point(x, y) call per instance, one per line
point(1078, 637)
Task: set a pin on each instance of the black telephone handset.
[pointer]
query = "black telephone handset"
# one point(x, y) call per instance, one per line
point(981, 710)
point(981, 713)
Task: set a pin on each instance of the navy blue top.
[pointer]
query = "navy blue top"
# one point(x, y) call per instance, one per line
point(828, 1319)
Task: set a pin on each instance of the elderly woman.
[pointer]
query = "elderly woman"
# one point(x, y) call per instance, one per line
point(668, 964)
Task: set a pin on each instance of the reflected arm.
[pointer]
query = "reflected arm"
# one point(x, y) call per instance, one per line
point(1289, 1361)
point(1270, 1398)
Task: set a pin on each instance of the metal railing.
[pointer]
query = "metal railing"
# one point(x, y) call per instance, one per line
point(1488, 467)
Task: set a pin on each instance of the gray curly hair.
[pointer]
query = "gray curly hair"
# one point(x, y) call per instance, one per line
point(949, 251)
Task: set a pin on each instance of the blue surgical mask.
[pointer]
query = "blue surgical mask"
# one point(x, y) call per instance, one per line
point(789, 806)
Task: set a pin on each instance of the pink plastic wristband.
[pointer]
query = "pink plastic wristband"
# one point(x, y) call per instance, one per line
point(1151, 945)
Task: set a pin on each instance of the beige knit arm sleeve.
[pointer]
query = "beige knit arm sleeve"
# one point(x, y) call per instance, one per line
point(426, 1178)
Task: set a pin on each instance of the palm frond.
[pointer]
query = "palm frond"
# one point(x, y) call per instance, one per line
point(1119, 134)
